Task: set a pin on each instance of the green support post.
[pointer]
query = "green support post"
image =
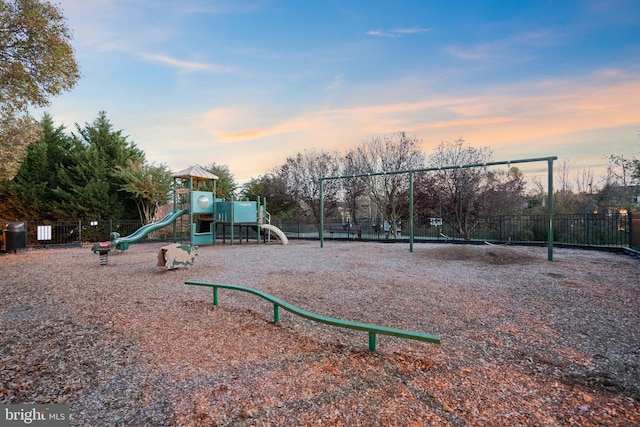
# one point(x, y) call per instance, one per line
point(276, 313)
point(215, 296)
point(214, 223)
point(232, 223)
point(550, 211)
point(258, 215)
point(372, 341)
point(264, 214)
point(321, 212)
point(410, 211)
point(175, 207)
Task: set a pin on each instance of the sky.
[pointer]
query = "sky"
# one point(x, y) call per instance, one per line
point(247, 83)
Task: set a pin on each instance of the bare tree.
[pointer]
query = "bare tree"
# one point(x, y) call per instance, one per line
point(461, 191)
point(302, 174)
point(355, 188)
point(563, 194)
point(623, 174)
point(504, 192)
point(584, 181)
point(388, 192)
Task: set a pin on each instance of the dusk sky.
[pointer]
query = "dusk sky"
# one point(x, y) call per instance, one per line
point(248, 83)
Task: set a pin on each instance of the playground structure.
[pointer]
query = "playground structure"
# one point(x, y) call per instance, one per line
point(206, 215)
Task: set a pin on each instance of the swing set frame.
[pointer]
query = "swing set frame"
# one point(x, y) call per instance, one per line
point(411, 173)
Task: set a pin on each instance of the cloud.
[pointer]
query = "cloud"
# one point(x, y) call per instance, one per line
point(477, 52)
point(501, 114)
point(514, 45)
point(188, 66)
point(582, 118)
point(398, 32)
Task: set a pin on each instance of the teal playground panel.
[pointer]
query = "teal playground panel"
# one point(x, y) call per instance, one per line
point(245, 211)
point(201, 202)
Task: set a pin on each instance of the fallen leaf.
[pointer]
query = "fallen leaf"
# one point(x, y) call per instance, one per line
point(330, 369)
point(465, 371)
point(446, 407)
point(586, 397)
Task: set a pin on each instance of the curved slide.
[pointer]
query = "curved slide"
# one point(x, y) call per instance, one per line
point(283, 237)
point(142, 232)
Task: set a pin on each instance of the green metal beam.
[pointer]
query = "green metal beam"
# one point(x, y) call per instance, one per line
point(411, 209)
point(432, 169)
point(277, 303)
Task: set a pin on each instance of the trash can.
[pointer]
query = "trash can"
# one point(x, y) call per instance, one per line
point(15, 236)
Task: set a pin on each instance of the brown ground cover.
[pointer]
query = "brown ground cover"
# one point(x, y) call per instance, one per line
point(525, 341)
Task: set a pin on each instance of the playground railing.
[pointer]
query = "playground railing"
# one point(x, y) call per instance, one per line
point(372, 330)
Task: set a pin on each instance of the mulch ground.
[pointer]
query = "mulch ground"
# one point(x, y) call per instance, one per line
point(525, 341)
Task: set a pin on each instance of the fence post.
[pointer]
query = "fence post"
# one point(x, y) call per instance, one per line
point(587, 228)
point(630, 228)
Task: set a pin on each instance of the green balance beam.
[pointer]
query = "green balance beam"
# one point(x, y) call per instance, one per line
point(277, 303)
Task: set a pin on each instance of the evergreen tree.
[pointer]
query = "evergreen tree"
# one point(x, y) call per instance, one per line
point(32, 196)
point(225, 184)
point(280, 203)
point(90, 185)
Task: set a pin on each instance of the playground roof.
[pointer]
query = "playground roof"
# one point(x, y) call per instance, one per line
point(197, 172)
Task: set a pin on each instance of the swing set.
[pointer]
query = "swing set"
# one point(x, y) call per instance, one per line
point(411, 173)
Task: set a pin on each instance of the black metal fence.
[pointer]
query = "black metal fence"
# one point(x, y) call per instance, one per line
point(614, 230)
point(609, 230)
point(74, 233)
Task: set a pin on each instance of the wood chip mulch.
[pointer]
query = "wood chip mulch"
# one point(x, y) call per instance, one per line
point(525, 341)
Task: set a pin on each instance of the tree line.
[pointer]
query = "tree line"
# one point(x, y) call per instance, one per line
point(460, 197)
point(93, 173)
point(96, 173)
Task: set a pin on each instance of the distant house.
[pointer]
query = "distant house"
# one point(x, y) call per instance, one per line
point(620, 199)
